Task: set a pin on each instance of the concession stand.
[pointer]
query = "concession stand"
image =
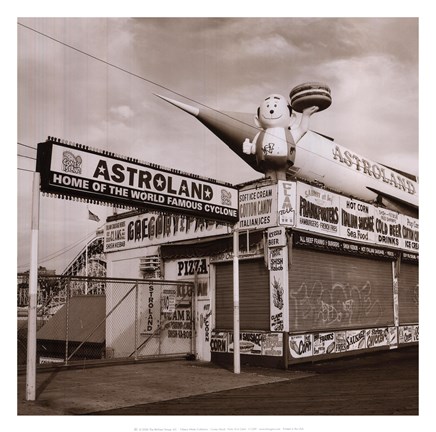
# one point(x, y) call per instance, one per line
point(321, 274)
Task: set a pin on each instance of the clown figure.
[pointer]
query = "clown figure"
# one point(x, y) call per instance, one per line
point(274, 145)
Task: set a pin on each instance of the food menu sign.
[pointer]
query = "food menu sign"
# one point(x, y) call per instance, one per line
point(323, 212)
point(410, 233)
point(258, 207)
point(388, 228)
point(318, 210)
point(78, 172)
point(357, 220)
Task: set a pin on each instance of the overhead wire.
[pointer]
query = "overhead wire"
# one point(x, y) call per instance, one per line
point(67, 248)
point(27, 157)
point(150, 81)
point(28, 146)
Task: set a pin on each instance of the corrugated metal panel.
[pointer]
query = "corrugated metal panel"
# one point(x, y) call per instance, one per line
point(330, 291)
point(408, 294)
point(253, 295)
point(84, 315)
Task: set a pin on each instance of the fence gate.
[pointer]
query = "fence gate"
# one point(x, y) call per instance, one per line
point(81, 318)
point(165, 319)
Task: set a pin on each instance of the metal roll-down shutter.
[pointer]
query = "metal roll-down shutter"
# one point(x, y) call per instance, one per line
point(253, 295)
point(408, 294)
point(329, 291)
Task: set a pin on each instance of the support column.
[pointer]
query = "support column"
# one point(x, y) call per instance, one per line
point(236, 324)
point(33, 293)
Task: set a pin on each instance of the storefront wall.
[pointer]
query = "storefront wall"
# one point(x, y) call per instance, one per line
point(339, 304)
point(198, 272)
point(258, 344)
point(331, 283)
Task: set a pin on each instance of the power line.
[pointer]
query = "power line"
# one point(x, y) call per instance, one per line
point(23, 169)
point(125, 70)
point(143, 78)
point(355, 170)
point(28, 146)
point(134, 74)
point(28, 157)
point(66, 249)
point(147, 80)
point(60, 252)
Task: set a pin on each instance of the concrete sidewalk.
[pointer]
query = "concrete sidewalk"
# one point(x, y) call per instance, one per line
point(82, 391)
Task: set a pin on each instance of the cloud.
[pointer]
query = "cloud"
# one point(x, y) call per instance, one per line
point(371, 65)
point(122, 111)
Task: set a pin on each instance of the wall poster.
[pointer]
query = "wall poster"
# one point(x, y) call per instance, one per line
point(249, 343)
point(323, 343)
point(301, 345)
point(272, 344)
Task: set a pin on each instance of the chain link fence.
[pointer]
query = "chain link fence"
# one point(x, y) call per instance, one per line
point(83, 318)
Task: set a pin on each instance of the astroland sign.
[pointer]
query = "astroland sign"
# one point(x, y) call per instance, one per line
point(76, 171)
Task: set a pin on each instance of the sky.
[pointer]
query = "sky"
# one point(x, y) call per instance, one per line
point(101, 94)
point(374, 66)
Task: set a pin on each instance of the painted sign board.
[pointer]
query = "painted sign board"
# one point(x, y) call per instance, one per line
point(276, 237)
point(151, 228)
point(410, 233)
point(169, 299)
point(301, 345)
point(377, 337)
point(219, 342)
point(324, 343)
point(388, 228)
point(336, 245)
point(357, 220)
point(249, 343)
point(279, 289)
point(78, 172)
point(336, 342)
point(287, 202)
point(317, 210)
point(408, 334)
point(272, 344)
point(258, 207)
point(323, 160)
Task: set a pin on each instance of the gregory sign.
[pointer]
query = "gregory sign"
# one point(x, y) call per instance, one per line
point(79, 172)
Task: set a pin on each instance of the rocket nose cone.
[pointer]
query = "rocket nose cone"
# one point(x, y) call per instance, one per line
point(187, 108)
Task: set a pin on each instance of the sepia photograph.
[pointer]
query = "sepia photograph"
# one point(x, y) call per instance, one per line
point(217, 219)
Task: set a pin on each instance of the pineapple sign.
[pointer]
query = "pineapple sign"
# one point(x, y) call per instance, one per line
point(278, 275)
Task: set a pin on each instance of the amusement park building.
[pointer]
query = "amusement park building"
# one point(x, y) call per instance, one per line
point(321, 275)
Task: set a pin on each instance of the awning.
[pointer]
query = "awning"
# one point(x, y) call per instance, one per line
point(209, 247)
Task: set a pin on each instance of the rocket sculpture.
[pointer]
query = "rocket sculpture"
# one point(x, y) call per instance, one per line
point(272, 144)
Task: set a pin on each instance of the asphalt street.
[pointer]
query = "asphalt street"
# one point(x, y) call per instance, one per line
point(383, 383)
